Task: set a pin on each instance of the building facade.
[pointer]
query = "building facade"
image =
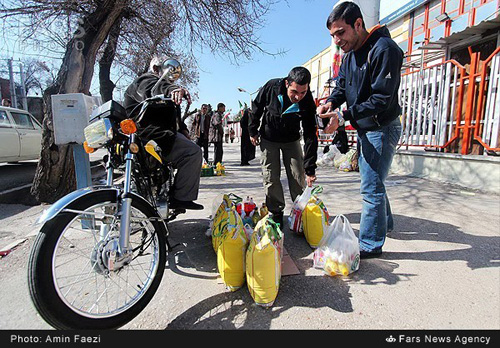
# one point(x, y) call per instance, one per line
point(450, 81)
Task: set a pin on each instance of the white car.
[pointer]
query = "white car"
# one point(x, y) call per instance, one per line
point(20, 135)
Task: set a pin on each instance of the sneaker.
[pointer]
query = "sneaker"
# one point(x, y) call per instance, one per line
point(189, 205)
point(369, 255)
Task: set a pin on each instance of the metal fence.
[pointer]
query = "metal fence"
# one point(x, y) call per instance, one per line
point(451, 107)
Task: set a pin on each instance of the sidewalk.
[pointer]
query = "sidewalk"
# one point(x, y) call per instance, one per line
point(439, 270)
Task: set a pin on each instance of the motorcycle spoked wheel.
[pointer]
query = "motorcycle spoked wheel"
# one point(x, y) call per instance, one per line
point(68, 279)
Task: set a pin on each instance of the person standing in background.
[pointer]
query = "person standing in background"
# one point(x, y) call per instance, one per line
point(247, 148)
point(201, 128)
point(216, 133)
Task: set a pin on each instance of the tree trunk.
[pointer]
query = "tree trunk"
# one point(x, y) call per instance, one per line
point(106, 86)
point(55, 174)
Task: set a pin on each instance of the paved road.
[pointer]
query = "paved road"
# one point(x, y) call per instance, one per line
point(16, 174)
point(440, 268)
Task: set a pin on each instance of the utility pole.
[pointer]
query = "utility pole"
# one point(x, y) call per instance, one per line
point(24, 99)
point(13, 97)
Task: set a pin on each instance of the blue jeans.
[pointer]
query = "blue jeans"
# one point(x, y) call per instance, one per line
point(376, 151)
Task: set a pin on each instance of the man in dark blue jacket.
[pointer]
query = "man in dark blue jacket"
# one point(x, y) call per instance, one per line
point(368, 83)
point(279, 110)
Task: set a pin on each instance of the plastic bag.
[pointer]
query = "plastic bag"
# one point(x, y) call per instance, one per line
point(338, 250)
point(328, 159)
point(231, 252)
point(221, 207)
point(295, 217)
point(263, 262)
point(345, 162)
point(315, 220)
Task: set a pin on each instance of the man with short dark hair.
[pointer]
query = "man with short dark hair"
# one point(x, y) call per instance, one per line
point(278, 111)
point(368, 82)
point(217, 132)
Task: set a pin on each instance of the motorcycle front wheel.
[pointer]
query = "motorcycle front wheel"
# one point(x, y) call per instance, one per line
point(70, 279)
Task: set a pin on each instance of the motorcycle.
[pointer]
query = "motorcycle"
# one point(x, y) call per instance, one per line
point(100, 255)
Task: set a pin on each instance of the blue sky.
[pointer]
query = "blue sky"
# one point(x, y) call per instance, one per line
point(298, 28)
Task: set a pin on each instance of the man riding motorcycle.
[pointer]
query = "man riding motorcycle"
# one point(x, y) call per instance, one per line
point(174, 140)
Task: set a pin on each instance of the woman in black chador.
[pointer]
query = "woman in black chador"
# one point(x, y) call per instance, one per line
point(247, 149)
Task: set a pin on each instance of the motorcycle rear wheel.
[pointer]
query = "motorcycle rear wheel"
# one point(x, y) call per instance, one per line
point(69, 281)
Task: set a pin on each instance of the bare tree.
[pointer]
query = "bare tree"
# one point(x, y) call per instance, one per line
point(226, 27)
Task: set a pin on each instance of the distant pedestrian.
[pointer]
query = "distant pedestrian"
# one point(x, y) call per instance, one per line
point(216, 133)
point(232, 134)
point(226, 134)
point(247, 148)
point(201, 128)
point(6, 102)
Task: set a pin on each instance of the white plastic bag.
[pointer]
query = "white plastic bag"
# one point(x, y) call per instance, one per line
point(295, 217)
point(338, 250)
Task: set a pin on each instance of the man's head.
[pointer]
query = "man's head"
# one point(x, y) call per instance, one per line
point(297, 83)
point(346, 26)
point(6, 102)
point(221, 107)
point(155, 65)
point(204, 108)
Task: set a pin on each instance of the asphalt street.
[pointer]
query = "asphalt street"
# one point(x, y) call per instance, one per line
point(440, 268)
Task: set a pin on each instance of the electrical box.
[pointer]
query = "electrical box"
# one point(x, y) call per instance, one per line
point(70, 115)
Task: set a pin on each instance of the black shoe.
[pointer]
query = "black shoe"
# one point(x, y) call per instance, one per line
point(244, 164)
point(189, 205)
point(367, 255)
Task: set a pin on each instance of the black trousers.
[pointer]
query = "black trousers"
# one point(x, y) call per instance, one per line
point(202, 142)
point(218, 152)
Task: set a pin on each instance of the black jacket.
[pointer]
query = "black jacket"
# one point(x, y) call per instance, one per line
point(164, 117)
point(368, 81)
point(271, 118)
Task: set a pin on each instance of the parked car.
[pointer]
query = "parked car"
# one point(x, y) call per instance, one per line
point(20, 135)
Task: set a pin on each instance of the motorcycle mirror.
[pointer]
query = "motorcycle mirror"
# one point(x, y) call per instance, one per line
point(172, 69)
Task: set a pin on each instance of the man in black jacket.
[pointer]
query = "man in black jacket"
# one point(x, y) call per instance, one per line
point(368, 82)
point(175, 143)
point(278, 111)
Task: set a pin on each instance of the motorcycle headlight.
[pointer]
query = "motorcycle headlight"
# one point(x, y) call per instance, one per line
point(97, 134)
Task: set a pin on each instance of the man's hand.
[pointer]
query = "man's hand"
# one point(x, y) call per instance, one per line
point(324, 111)
point(178, 94)
point(255, 140)
point(310, 179)
point(333, 124)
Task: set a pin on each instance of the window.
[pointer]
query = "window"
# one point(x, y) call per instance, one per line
point(4, 120)
point(452, 5)
point(23, 120)
point(404, 45)
point(467, 5)
point(418, 41)
point(433, 13)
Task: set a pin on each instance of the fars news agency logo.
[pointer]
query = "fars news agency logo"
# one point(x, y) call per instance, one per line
point(390, 339)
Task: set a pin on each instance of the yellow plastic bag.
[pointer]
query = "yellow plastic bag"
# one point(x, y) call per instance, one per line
point(232, 251)
point(219, 222)
point(314, 220)
point(263, 262)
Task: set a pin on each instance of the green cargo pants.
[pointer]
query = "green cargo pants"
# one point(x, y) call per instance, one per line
point(293, 161)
